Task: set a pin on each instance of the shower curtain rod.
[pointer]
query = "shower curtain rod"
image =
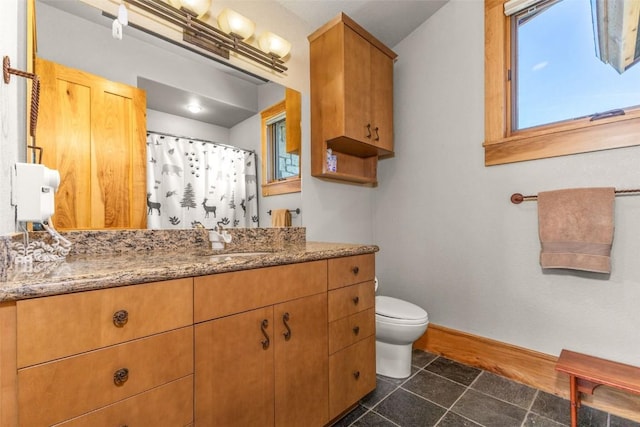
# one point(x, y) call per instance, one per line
point(517, 198)
point(201, 140)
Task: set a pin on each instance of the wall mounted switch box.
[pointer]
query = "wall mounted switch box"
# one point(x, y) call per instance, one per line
point(33, 188)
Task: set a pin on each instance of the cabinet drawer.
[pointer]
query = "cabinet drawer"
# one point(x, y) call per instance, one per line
point(351, 329)
point(352, 374)
point(57, 391)
point(350, 300)
point(63, 325)
point(169, 405)
point(228, 293)
point(349, 270)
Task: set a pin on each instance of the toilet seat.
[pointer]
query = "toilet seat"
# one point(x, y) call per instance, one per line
point(396, 311)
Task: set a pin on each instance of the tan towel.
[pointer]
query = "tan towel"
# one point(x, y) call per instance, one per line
point(280, 218)
point(576, 228)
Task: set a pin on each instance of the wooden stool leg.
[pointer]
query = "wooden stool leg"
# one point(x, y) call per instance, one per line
point(575, 400)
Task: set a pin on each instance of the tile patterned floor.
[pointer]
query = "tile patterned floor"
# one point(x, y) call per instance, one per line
point(444, 393)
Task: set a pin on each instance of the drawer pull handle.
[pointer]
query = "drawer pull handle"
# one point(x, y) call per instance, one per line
point(287, 334)
point(356, 300)
point(377, 138)
point(355, 270)
point(356, 330)
point(368, 135)
point(356, 375)
point(263, 328)
point(120, 318)
point(120, 376)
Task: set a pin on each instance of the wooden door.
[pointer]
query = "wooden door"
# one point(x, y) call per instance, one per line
point(93, 131)
point(234, 371)
point(357, 95)
point(301, 362)
point(382, 100)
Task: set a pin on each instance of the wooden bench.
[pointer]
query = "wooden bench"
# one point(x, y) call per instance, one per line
point(588, 372)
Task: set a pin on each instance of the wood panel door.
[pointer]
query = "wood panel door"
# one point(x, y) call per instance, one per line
point(357, 94)
point(382, 100)
point(234, 370)
point(301, 362)
point(93, 131)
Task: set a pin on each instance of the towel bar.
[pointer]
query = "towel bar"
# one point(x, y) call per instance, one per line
point(295, 211)
point(517, 198)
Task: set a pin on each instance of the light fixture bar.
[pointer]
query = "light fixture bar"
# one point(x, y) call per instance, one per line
point(206, 36)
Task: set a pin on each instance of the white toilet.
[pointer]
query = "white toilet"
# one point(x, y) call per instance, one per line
point(398, 324)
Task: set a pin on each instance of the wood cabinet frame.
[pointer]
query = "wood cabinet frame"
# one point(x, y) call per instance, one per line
point(502, 145)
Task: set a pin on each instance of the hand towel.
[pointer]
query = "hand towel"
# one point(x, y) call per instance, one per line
point(280, 218)
point(576, 228)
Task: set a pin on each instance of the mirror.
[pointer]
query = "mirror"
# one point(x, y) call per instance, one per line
point(77, 35)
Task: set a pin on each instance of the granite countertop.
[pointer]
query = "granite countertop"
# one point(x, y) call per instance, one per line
point(90, 272)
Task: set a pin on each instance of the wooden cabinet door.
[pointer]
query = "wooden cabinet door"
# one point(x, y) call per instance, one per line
point(234, 370)
point(357, 94)
point(382, 99)
point(301, 362)
point(93, 131)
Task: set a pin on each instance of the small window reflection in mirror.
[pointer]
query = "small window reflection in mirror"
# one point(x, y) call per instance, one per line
point(569, 63)
point(281, 146)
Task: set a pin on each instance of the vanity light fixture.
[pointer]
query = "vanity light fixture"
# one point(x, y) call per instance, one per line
point(213, 39)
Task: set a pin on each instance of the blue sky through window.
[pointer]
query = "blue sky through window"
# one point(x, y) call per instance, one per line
point(559, 75)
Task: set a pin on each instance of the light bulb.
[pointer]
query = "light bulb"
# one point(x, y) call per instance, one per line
point(194, 108)
point(231, 21)
point(274, 44)
point(199, 7)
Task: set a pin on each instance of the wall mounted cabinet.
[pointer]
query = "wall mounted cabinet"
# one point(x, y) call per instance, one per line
point(351, 101)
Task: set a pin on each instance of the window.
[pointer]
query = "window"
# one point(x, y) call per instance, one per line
point(281, 146)
point(547, 107)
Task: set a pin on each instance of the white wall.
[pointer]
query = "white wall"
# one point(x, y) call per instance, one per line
point(453, 243)
point(157, 121)
point(9, 137)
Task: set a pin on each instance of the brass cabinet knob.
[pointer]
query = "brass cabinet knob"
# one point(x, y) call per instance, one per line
point(120, 318)
point(120, 376)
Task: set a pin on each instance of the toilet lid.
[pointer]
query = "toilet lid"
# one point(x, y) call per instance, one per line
point(398, 309)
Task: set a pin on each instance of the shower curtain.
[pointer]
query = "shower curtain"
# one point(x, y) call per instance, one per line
point(192, 182)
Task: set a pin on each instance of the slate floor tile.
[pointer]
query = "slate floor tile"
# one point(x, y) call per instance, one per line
point(420, 358)
point(488, 411)
point(383, 389)
point(505, 389)
point(615, 421)
point(371, 419)
point(435, 388)
point(535, 420)
point(407, 409)
point(348, 419)
point(454, 371)
point(552, 407)
point(455, 420)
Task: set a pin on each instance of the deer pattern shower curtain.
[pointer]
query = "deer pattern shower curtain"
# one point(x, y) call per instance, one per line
point(192, 182)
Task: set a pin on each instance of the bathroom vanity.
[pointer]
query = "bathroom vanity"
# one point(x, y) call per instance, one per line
point(282, 338)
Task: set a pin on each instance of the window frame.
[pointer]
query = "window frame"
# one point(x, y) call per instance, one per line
point(272, 187)
point(503, 145)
